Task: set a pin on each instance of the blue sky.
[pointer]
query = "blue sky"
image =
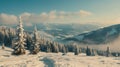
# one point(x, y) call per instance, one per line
point(74, 11)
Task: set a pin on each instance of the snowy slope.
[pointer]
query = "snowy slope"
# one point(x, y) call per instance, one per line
point(100, 36)
point(55, 60)
point(8, 60)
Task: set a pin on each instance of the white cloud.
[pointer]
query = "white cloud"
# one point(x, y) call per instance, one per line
point(52, 16)
point(44, 16)
point(7, 19)
point(85, 13)
point(26, 15)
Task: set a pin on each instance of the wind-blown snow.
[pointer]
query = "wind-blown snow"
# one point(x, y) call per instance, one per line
point(43, 59)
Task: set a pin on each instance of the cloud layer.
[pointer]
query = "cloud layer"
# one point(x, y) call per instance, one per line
point(52, 16)
point(8, 19)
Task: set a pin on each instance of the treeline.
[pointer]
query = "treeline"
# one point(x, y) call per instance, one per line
point(6, 36)
point(36, 44)
point(95, 52)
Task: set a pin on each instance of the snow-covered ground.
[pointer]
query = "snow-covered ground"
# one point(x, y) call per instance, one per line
point(55, 60)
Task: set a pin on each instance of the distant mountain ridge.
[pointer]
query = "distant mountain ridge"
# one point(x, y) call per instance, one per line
point(57, 32)
point(100, 36)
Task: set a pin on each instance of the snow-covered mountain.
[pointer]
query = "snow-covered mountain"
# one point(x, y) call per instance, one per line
point(100, 36)
point(59, 32)
point(76, 32)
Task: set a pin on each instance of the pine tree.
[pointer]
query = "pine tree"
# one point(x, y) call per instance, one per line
point(54, 47)
point(76, 50)
point(60, 46)
point(11, 35)
point(43, 45)
point(19, 45)
point(93, 52)
point(88, 51)
point(108, 52)
point(35, 46)
point(3, 46)
point(28, 41)
point(6, 37)
point(1, 36)
point(48, 46)
point(64, 50)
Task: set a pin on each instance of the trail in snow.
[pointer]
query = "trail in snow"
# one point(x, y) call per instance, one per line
point(48, 62)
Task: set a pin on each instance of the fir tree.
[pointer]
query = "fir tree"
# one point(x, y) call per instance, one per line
point(28, 41)
point(93, 52)
point(11, 35)
point(54, 47)
point(76, 50)
point(3, 46)
point(19, 45)
point(108, 52)
point(60, 46)
point(88, 51)
point(48, 49)
point(35, 46)
point(1, 36)
point(64, 50)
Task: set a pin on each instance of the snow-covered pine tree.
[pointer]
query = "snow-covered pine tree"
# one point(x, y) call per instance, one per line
point(64, 50)
point(11, 34)
point(48, 46)
point(108, 52)
point(76, 50)
point(28, 41)
point(6, 37)
point(3, 46)
point(93, 52)
point(19, 45)
point(54, 47)
point(35, 45)
point(60, 46)
point(88, 51)
point(2, 35)
point(43, 44)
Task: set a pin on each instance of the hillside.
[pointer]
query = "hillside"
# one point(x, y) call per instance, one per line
point(100, 36)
